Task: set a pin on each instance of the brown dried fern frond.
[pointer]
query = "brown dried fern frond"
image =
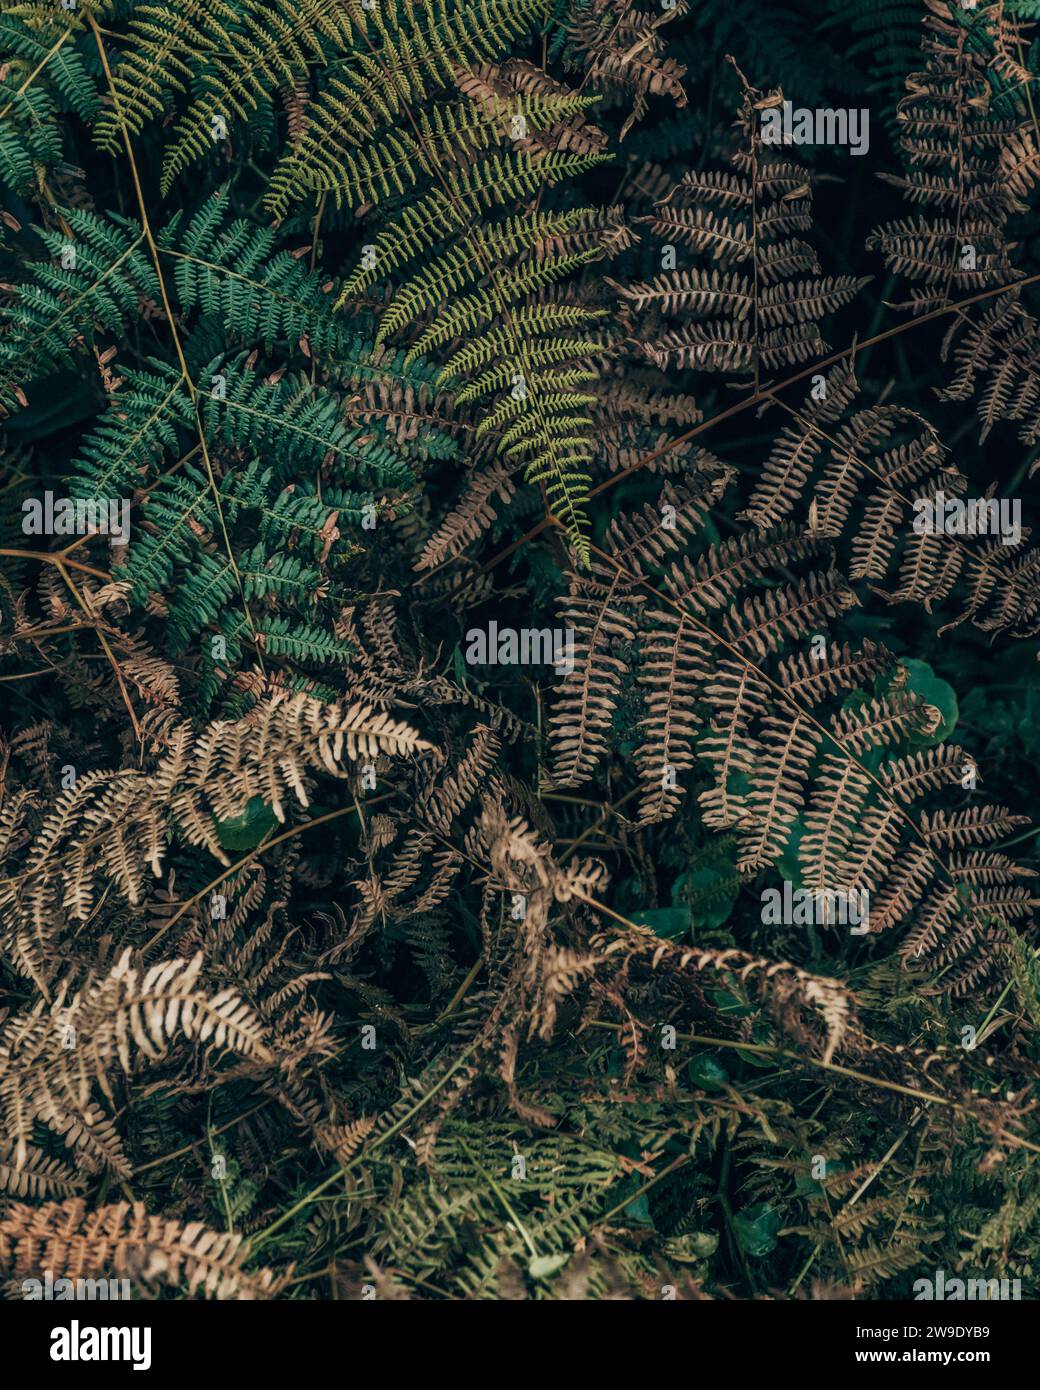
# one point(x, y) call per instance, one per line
point(872, 480)
point(114, 826)
point(124, 1241)
point(52, 1059)
point(756, 303)
point(728, 680)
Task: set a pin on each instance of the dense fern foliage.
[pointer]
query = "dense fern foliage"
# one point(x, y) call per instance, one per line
point(463, 595)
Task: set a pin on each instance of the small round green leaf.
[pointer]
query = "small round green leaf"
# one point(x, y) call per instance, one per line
point(245, 832)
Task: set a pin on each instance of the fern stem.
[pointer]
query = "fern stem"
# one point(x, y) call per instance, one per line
point(117, 669)
point(47, 557)
point(652, 1182)
point(490, 1180)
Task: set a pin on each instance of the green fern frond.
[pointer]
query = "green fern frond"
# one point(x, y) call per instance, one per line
point(470, 193)
point(72, 83)
point(100, 277)
point(402, 56)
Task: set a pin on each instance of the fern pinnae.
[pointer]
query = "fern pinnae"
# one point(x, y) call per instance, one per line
point(405, 62)
point(747, 310)
point(776, 759)
point(461, 264)
point(268, 45)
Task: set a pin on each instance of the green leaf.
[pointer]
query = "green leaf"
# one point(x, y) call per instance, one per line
point(931, 688)
point(247, 830)
point(710, 891)
point(543, 1266)
point(707, 1073)
point(756, 1229)
point(638, 1210)
point(730, 1004)
point(669, 922)
point(789, 864)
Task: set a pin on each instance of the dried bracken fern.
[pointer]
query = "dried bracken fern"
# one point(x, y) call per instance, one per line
point(132, 1245)
point(756, 303)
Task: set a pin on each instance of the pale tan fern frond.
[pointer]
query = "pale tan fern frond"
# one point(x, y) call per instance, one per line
point(114, 826)
point(51, 1060)
point(124, 1241)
